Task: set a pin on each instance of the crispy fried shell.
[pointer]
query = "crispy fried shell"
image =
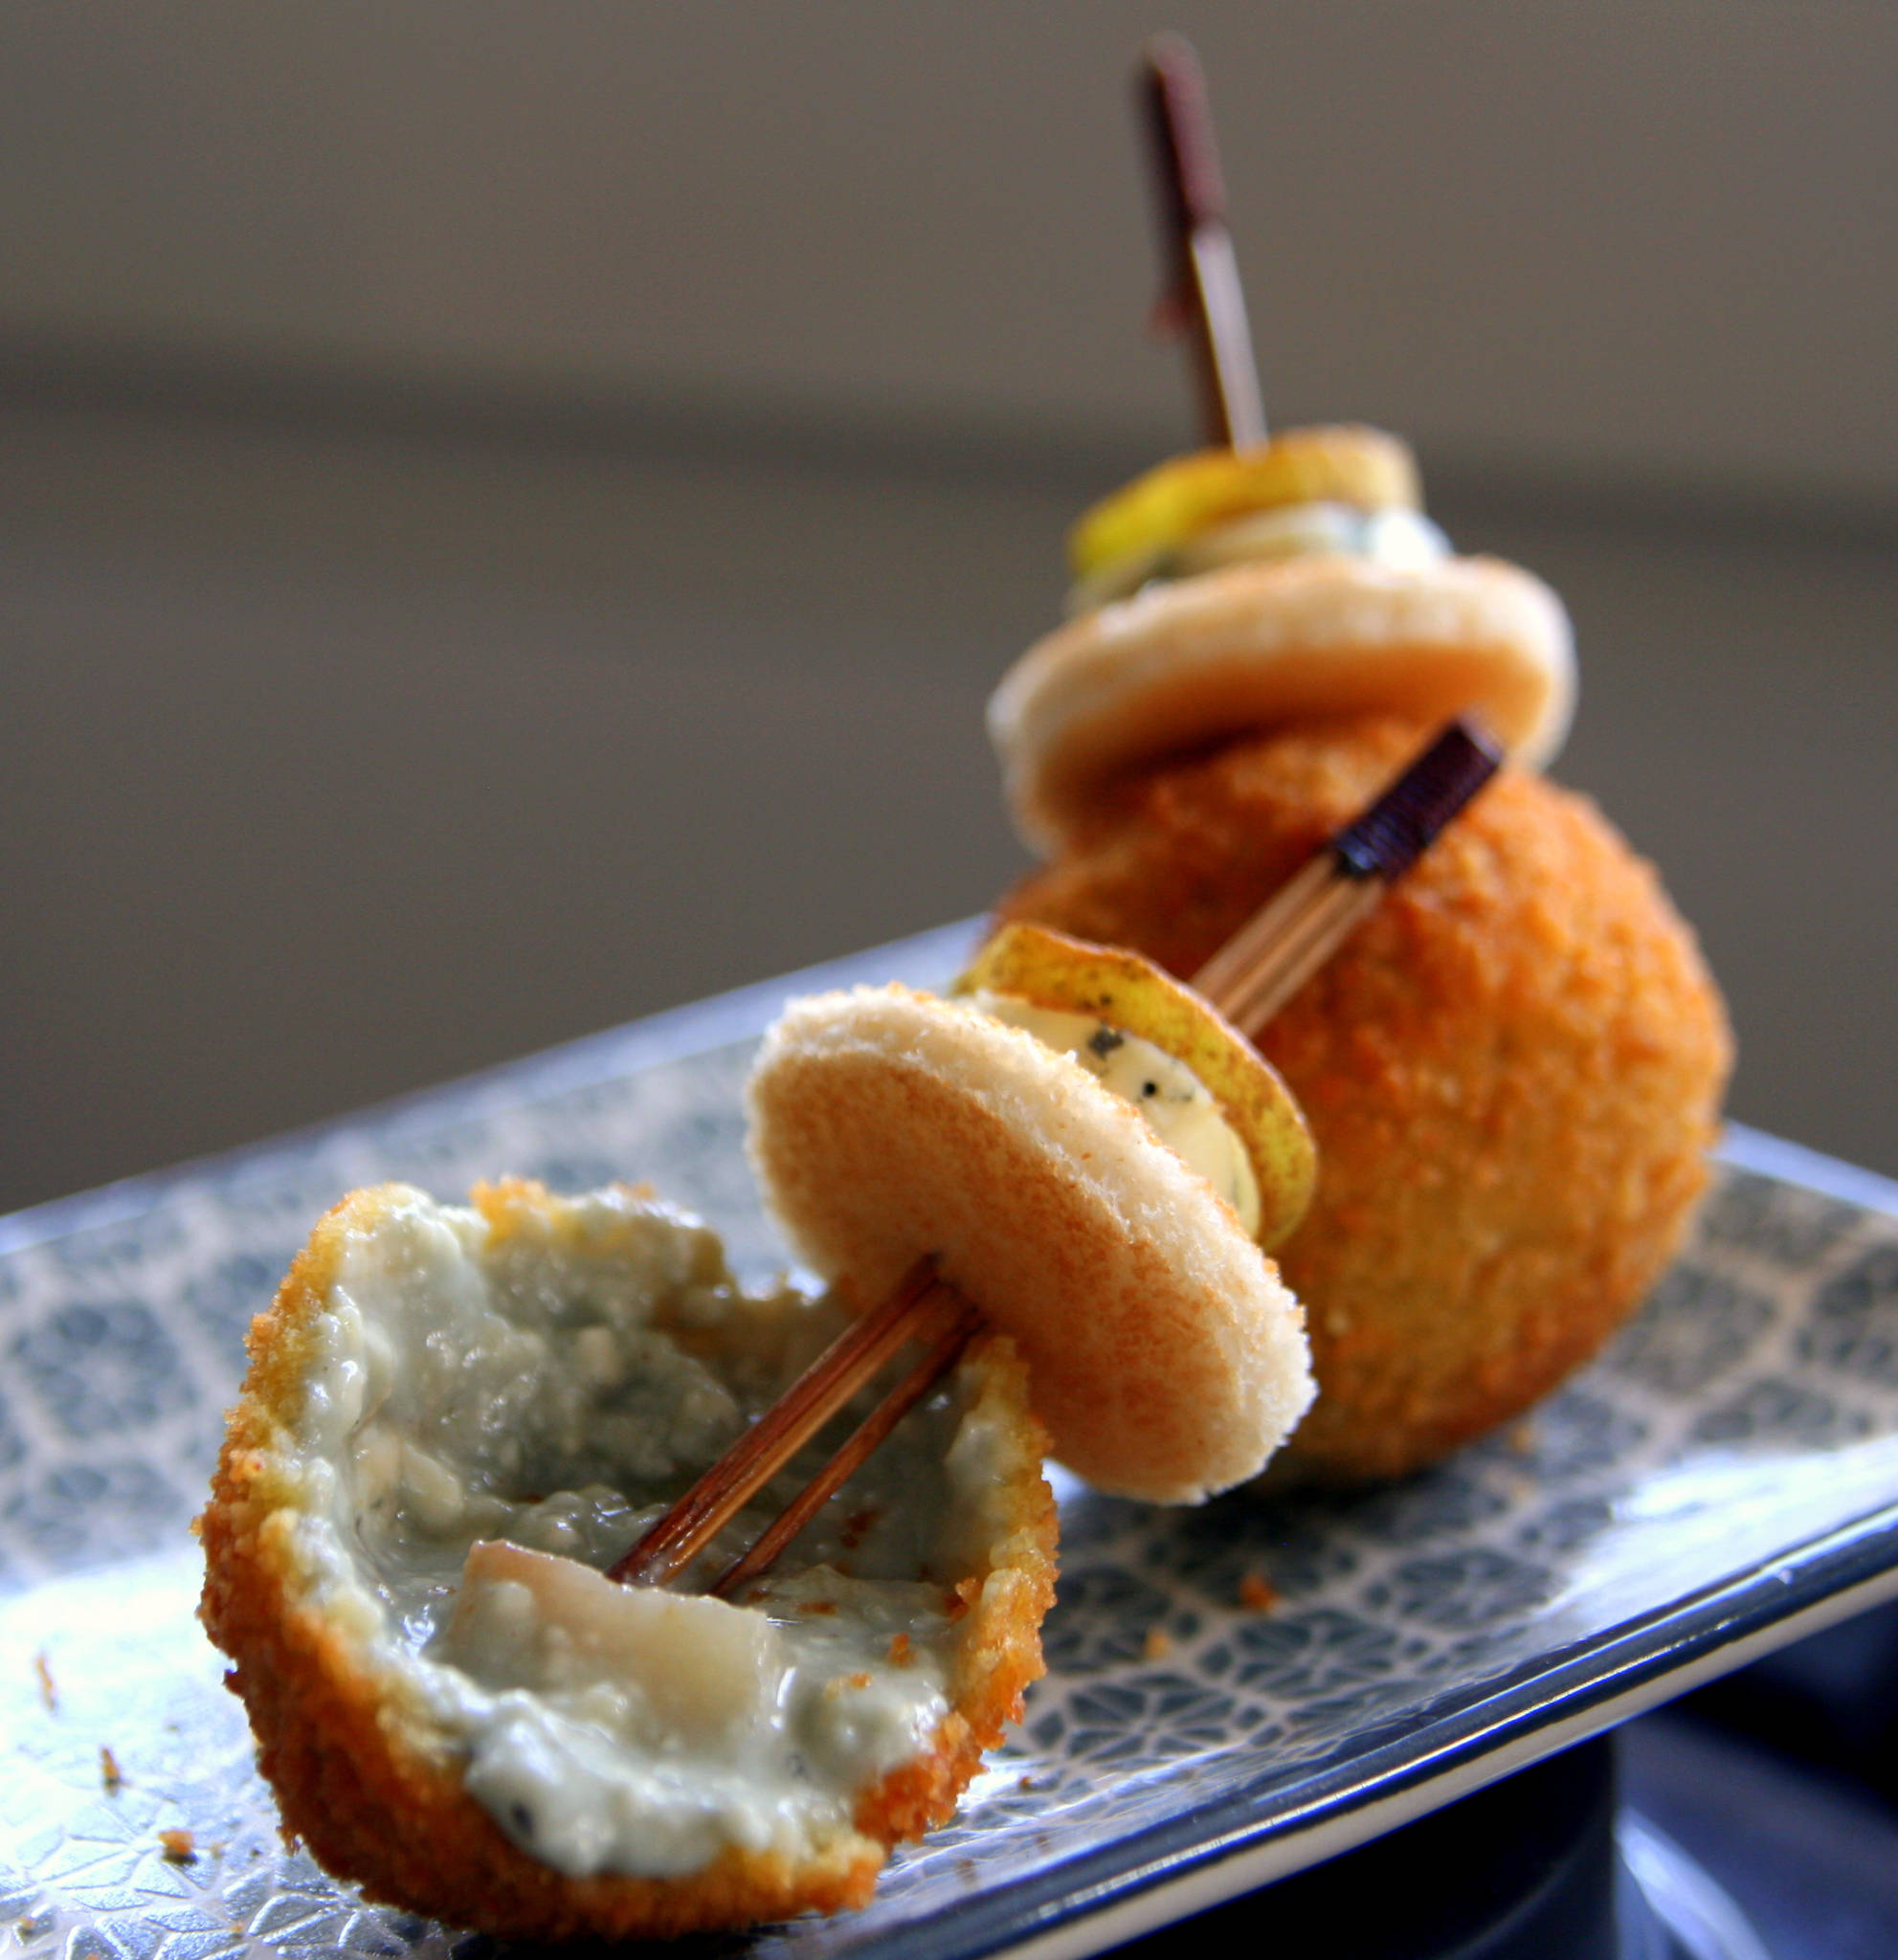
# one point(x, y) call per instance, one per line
point(365, 1773)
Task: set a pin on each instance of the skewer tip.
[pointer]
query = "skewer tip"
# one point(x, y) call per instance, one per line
point(1397, 830)
point(1201, 295)
point(1171, 86)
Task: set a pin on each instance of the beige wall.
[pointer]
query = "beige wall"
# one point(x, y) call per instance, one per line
point(357, 734)
point(1637, 236)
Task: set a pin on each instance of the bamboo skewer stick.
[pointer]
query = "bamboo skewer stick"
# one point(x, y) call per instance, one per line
point(1247, 980)
point(1298, 930)
point(854, 1358)
point(1282, 943)
point(868, 1433)
point(1203, 297)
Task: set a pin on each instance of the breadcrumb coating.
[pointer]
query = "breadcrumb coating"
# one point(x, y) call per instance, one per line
point(1513, 1070)
point(375, 1790)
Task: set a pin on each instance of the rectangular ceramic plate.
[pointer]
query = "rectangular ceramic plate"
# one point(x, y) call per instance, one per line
point(1726, 1477)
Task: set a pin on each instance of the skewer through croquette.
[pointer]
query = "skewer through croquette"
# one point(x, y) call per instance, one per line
point(1512, 1069)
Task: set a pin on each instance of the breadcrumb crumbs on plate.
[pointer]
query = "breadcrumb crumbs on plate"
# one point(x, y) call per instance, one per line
point(1257, 1594)
point(1157, 1644)
point(109, 1772)
point(180, 1847)
point(48, 1693)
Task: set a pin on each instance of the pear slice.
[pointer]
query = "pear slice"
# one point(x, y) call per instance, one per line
point(1131, 994)
point(1358, 466)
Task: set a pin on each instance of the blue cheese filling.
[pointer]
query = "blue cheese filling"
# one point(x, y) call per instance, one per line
point(1179, 1109)
point(495, 1418)
point(1405, 540)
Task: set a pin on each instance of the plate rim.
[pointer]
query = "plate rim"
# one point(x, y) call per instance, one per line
point(738, 1013)
point(1496, 1726)
point(1175, 1866)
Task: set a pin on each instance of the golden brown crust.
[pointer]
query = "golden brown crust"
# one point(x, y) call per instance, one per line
point(1513, 1070)
point(999, 1656)
point(376, 1793)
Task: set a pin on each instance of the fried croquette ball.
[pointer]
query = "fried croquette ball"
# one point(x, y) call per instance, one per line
point(1513, 1070)
point(454, 1421)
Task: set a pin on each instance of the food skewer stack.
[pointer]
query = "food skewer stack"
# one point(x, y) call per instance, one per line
point(432, 1456)
point(1515, 1068)
point(467, 1433)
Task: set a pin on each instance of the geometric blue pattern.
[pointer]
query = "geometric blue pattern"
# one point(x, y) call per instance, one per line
point(1230, 1661)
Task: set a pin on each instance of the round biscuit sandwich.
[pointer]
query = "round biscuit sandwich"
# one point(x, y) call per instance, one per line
point(1077, 1181)
point(1231, 592)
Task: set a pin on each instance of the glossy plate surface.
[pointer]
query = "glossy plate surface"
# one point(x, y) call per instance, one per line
point(1232, 1691)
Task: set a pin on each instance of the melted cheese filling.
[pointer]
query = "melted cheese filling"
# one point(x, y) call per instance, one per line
point(1179, 1109)
point(494, 1421)
point(1402, 539)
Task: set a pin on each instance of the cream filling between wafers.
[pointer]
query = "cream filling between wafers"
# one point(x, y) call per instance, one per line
point(1405, 540)
point(1178, 1107)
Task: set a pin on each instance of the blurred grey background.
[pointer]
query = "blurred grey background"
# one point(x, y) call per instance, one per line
point(509, 515)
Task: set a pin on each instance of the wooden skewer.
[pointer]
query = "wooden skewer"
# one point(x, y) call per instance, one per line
point(854, 1358)
point(1247, 980)
point(1203, 296)
point(1285, 942)
point(964, 1323)
point(1296, 930)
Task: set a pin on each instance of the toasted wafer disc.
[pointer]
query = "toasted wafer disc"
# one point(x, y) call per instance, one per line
point(409, 1407)
point(1164, 1356)
point(1179, 667)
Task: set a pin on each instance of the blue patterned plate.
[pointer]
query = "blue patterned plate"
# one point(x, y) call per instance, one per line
point(1233, 1693)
